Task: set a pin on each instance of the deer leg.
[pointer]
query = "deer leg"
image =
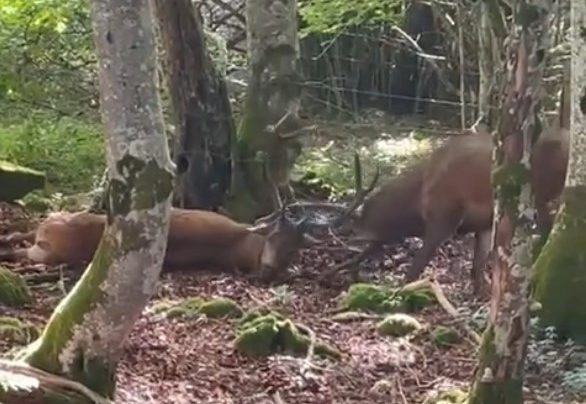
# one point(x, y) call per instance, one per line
point(481, 250)
point(354, 261)
point(436, 232)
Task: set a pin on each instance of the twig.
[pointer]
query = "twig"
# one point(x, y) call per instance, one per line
point(278, 399)
point(50, 379)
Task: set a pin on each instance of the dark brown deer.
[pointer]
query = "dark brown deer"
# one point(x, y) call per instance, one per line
point(196, 238)
point(549, 162)
point(448, 193)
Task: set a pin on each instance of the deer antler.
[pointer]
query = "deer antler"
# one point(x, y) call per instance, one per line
point(361, 194)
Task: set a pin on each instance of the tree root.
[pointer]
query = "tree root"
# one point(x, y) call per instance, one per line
point(49, 380)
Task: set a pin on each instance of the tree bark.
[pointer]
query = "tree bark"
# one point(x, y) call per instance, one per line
point(561, 265)
point(268, 144)
point(491, 36)
point(407, 82)
point(204, 126)
point(84, 337)
point(499, 377)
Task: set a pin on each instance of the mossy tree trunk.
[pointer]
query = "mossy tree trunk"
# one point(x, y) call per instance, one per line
point(84, 337)
point(204, 125)
point(560, 269)
point(268, 141)
point(499, 376)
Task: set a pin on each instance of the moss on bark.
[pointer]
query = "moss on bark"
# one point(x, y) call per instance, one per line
point(560, 269)
point(488, 387)
point(44, 352)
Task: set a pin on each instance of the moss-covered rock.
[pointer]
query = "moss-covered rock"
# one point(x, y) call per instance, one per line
point(17, 181)
point(220, 308)
point(379, 299)
point(193, 307)
point(445, 336)
point(454, 396)
point(15, 331)
point(37, 202)
point(418, 299)
point(14, 291)
point(266, 334)
point(367, 297)
point(398, 325)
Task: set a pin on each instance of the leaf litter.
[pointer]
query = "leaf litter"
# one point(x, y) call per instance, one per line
point(182, 361)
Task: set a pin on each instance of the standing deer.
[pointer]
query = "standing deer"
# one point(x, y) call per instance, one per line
point(448, 193)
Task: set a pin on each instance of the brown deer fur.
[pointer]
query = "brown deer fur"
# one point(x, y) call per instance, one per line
point(195, 238)
point(450, 193)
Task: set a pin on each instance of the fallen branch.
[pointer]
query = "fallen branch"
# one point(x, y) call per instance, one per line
point(19, 368)
point(442, 300)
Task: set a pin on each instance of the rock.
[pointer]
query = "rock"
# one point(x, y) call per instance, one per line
point(266, 334)
point(367, 297)
point(17, 181)
point(14, 291)
point(221, 308)
point(398, 325)
point(445, 336)
point(16, 331)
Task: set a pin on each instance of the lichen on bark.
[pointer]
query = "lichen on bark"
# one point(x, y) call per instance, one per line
point(266, 150)
point(499, 375)
point(84, 337)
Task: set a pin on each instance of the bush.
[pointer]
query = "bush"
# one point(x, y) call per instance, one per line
point(69, 151)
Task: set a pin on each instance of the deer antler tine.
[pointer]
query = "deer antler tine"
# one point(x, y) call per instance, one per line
point(360, 194)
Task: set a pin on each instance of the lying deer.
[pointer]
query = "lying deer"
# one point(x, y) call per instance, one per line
point(448, 193)
point(196, 238)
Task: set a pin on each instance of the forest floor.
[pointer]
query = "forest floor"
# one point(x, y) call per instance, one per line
point(179, 361)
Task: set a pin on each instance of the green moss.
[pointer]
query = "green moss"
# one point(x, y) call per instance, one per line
point(398, 325)
point(508, 179)
point(445, 336)
point(271, 333)
point(258, 336)
point(195, 306)
point(508, 390)
point(14, 291)
point(416, 300)
point(378, 299)
point(454, 396)
point(15, 331)
point(145, 185)
point(560, 269)
point(367, 297)
point(37, 202)
point(221, 307)
point(44, 353)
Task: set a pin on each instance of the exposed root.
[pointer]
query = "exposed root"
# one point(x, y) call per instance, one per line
point(51, 380)
point(443, 301)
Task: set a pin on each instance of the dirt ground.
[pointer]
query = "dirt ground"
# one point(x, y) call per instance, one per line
point(193, 361)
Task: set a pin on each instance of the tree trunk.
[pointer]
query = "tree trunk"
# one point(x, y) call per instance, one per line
point(491, 35)
point(499, 377)
point(268, 144)
point(561, 265)
point(84, 337)
point(407, 82)
point(204, 124)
